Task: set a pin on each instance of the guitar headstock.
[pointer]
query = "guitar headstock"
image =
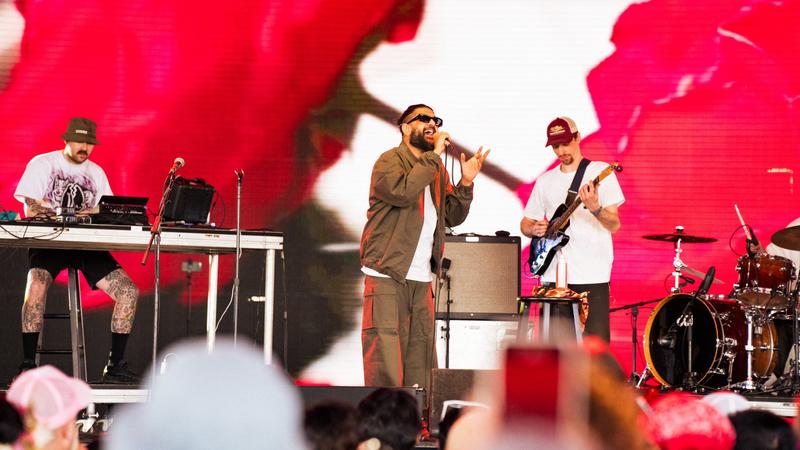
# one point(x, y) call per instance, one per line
point(616, 167)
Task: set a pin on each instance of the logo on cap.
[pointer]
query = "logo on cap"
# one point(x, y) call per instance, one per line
point(81, 130)
point(560, 131)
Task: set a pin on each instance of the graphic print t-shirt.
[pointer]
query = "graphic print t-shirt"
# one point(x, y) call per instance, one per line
point(58, 182)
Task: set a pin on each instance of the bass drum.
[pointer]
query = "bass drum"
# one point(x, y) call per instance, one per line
point(719, 336)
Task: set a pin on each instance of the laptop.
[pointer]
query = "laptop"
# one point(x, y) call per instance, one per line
point(121, 210)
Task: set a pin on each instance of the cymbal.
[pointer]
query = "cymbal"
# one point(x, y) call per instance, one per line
point(674, 237)
point(788, 238)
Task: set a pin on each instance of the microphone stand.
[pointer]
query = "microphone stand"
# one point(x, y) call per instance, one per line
point(239, 175)
point(796, 337)
point(447, 322)
point(634, 307)
point(686, 319)
point(155, 237)
point(689, 382)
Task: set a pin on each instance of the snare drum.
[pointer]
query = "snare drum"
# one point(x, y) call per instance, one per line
point(719, 335)
point(764, 280)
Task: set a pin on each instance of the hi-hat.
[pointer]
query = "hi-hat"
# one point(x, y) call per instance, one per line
point(788, 238)
point(675, 237)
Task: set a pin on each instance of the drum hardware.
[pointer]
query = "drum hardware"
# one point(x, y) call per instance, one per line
point(686, 320)
point(645, 375)
point(719, 357)
point(679, 236)
point(678, 265)
point(748, 349)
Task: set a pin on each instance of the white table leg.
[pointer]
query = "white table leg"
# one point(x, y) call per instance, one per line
point(269, 304)
point(211, 314)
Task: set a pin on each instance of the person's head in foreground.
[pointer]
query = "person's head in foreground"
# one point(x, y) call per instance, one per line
point(49, 402)
point(226, 399)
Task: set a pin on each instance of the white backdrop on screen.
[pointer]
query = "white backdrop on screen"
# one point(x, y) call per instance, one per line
point(497, 73)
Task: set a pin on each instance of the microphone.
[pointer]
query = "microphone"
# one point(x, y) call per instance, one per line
point(239, 174)
point(176, 165)
point(686, 280)
point(752, 242)
point(446, 262)
point(707, 280)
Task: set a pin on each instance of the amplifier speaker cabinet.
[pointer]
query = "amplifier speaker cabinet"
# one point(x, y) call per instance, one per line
point(451, 384)
point(474, 344)
point(483, 277)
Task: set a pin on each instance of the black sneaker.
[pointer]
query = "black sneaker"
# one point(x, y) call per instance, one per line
point(119, 374)
point(27, 364)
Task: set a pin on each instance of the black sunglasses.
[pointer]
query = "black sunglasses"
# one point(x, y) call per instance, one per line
point(424, 118)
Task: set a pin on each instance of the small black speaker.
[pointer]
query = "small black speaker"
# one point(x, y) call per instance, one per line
point(483, 278)
point(189, 201)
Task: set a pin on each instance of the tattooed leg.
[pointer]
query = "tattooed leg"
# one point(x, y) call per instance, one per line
point(119, 286)
point(39, 281)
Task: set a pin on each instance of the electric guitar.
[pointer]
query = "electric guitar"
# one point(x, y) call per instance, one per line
point(544, 248)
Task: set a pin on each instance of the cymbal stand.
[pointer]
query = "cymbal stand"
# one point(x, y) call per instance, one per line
point(677, 264)
point(748, 383)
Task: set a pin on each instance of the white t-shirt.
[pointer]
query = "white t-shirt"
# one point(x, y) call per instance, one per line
point(420, 269)
point(793, 255)
point(57, 182)
point(590, 252)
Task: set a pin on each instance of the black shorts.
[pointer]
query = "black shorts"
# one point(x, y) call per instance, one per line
point(94, 265)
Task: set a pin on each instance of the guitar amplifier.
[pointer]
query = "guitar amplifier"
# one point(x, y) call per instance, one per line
point(483, 278)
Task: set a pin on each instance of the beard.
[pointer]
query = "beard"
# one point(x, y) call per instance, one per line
point(418, 140)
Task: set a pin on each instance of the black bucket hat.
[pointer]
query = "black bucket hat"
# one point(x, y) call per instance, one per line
point(81, 130)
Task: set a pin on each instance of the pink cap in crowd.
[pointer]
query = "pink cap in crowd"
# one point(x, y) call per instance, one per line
point(51, 397)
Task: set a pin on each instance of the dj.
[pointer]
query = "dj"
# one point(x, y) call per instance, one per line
point(67, 181)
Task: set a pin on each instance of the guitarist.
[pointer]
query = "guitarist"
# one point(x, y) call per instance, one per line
point(589, 252)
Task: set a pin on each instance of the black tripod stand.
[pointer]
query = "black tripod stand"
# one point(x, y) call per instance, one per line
point(634, 307)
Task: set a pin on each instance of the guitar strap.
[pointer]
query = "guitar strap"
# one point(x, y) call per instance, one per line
point(576, 181)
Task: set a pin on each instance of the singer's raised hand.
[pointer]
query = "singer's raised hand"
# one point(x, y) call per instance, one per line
point(471, 167)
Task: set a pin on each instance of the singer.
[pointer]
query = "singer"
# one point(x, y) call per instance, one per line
point(68, 179)
point(410, 203)
point(589, 252)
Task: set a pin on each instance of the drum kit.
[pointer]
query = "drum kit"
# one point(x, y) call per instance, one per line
point(702, 342)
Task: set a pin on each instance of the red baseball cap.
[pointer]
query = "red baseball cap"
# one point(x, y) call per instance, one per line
point(560, 131)
point(681, 421)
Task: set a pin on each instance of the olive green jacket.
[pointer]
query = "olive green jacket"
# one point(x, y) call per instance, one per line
point(395, 216)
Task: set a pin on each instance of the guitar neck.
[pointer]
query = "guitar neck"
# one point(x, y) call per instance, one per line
point(562, 220)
